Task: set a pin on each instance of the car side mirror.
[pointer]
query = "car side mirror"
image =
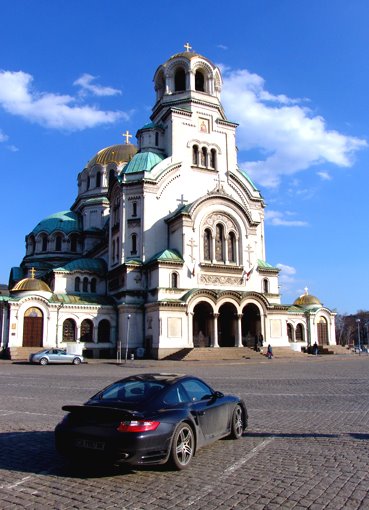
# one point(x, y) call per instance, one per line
point(218, 394)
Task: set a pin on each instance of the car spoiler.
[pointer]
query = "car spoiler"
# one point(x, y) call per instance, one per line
point(103, 411)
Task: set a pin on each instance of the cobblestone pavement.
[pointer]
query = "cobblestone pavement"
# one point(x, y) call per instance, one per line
point(307, 446)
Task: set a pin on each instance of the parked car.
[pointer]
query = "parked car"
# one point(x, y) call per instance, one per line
point(47, 356)
point(149, 419)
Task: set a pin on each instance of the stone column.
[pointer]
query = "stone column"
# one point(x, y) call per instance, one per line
point(239, 330)
point(215, 326)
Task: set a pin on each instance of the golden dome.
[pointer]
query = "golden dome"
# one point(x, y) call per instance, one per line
point(307, 300)
point(121, 153)
point(31, 284)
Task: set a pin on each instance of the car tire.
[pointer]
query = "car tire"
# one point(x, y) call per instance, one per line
point(183, 447)
point(238, 423)
point(76, 361)
point(44, 361)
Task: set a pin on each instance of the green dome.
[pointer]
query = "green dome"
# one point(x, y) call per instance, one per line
point(142, 162)
point(65, 221)
point(85, 264)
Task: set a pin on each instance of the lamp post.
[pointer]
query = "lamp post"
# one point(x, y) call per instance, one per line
point(358, 333)
point(57, 324)
point(128, 317)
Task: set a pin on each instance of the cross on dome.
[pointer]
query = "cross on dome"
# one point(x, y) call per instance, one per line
point(33, 272)
point(187, 46)
point(127, 136)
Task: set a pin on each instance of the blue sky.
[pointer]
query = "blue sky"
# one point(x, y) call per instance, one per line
point(75, 74)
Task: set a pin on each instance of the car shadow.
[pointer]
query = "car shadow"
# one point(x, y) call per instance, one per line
point(306, 435)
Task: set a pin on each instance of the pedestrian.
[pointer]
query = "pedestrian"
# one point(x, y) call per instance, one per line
point(315, 349)
point(269, 352)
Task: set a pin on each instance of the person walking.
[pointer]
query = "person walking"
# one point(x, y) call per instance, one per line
point(269, 352)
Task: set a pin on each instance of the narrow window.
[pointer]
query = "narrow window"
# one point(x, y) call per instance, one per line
point(134, 244)
point(174, 282)
point(85, 284)
point(98, 180)
point(44, 243)
point(88, 182)
point(58, 243)
point(77, 284)
point(195, 155)
point(93, 285)
point(266, 285)
point(134, 209)
point(204, 157)
point(232, 247)
point(73, 243)
point(289, 333)
point(207, 244)
point(111, 176)
point(219, 243)
point(199, 81)
point(156, 139)
point(86, 330)
point(213, 159)
point(103, 332)
point(299, 333)
point(117, 251)
point(180, 80)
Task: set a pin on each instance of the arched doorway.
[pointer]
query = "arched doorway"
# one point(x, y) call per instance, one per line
point(227, 325)
point(322, 331)
point(33, 327)
point(86, 330)
point(251, 325)
point(202, 325)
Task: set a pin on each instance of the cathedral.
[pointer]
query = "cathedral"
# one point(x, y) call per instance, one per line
point(163, 248)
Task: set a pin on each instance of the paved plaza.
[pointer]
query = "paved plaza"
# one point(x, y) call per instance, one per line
point(307, 446)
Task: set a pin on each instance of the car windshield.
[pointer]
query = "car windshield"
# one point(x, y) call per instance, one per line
point(132, 391)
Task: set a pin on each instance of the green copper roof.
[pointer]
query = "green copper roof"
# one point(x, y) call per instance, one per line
point(262, 264)
point(246, 175)
point(65, 221)
point(142, 162)
point(81, 299)
point(166, 256)
point(84, 264)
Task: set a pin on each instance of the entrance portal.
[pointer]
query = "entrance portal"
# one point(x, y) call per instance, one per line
point(33, 325)
point(202, 325)
point(227, 325)
point(251, 326)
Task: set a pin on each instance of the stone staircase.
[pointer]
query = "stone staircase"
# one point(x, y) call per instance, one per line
point(214, 354)
point(22, 353)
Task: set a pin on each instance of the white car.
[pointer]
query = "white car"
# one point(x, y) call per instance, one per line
point(47, 356)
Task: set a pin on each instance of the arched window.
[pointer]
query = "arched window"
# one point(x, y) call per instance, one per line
point(111, 176)
point(232, 247)
point(213, 158)
point(103, 332)
point(199, 81)
point(93, 285)
point(207, 244)
point(204, 157)
point(174, 280)
point(134, 208)
point(86, 330)
point(180, 80)
point(85, 284)
point(289, 332)
point(98, 179)
point(73, 243)
point(77, 284)
point(265, 285)
point(44, 243)
point(58, 243)
point(69, 330)
point(299, 333)
point(195, 155)
point(134, 244)
point(219, 243)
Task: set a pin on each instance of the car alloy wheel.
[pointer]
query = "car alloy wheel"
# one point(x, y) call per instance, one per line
point(44, 361)
point(76, 361)
point(237, 425)
point(183, 446)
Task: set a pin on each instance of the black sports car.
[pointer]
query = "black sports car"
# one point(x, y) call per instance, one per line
point(149, 419)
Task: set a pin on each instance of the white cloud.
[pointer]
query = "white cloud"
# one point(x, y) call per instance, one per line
point(222, 47)
point(56, 111)
point(325, 176)
point(290, 138)
point(85, 82)
point(3, 137)
point(277, 218)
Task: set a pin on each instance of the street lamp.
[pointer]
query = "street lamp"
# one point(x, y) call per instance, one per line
point(128, 317)
point(358, 333)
